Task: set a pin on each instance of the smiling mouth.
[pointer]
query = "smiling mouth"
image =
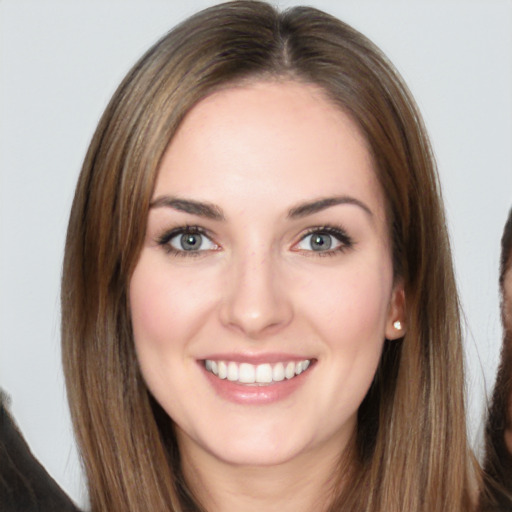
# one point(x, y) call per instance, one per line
point(256, 374)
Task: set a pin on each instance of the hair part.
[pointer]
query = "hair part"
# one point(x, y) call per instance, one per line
point(410, 448)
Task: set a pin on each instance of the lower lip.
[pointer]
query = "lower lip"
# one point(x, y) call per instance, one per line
point(254, 394)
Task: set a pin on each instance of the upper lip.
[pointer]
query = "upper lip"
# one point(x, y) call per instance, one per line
point(256, 359)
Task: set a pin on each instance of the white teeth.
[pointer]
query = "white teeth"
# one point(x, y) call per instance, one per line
point(265, 373)
point(290, 370)
point(278, 372)
point(223, 370)
point(232, 371)
point(247, 373)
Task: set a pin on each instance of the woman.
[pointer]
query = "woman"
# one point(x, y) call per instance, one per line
point(498, 433)
point(259, 308)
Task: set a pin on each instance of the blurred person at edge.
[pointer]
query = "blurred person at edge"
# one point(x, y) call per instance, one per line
point(497, 495)
point(25, 486)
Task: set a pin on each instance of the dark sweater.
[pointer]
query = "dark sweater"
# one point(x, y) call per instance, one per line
point(25, 486)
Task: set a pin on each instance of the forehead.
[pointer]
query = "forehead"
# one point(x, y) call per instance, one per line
point(268, 140)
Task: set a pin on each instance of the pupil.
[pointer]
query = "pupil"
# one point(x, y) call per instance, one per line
point(320, 242)
point(190, 242)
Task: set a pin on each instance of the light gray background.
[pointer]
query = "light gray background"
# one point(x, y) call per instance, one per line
point(61, 61)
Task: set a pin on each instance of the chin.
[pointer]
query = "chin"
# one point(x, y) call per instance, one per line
point(247, 445)
point(249, 454)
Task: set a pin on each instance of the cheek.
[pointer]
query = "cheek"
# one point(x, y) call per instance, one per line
point(167, 308)
point(152, 312)
point(166, 305)
point(356, 333)
point(350, 315)
point(351, 303)
point(507, 300)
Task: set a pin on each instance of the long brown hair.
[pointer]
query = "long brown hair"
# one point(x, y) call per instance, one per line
point(411, 451)
point(497, 491)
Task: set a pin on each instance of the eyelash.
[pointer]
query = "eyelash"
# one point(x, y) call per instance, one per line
point(337, 232)
point(165, 238)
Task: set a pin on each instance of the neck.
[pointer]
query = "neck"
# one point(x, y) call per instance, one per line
point(303, 484)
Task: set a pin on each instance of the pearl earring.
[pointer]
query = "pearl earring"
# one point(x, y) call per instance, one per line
point(397, 325)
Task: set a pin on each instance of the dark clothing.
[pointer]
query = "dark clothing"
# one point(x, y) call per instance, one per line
point(25, 486)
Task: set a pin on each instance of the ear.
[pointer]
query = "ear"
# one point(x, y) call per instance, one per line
point(395, 324)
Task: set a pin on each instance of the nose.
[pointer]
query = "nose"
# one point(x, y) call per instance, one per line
point(256, 300)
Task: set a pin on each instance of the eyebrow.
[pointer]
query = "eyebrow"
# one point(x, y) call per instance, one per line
point(214, 212)
point(202, 209)
point(309, 208)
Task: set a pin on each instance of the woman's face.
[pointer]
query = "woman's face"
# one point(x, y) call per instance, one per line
point(264, 289)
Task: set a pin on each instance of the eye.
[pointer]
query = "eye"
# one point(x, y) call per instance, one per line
point(326, 240)
point(318, 242)
point(191, 240)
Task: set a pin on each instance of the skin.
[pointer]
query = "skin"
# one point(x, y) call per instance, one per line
point(507, 304)
point(256, 287)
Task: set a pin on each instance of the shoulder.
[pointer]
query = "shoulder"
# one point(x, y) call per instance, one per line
point(24, 483)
